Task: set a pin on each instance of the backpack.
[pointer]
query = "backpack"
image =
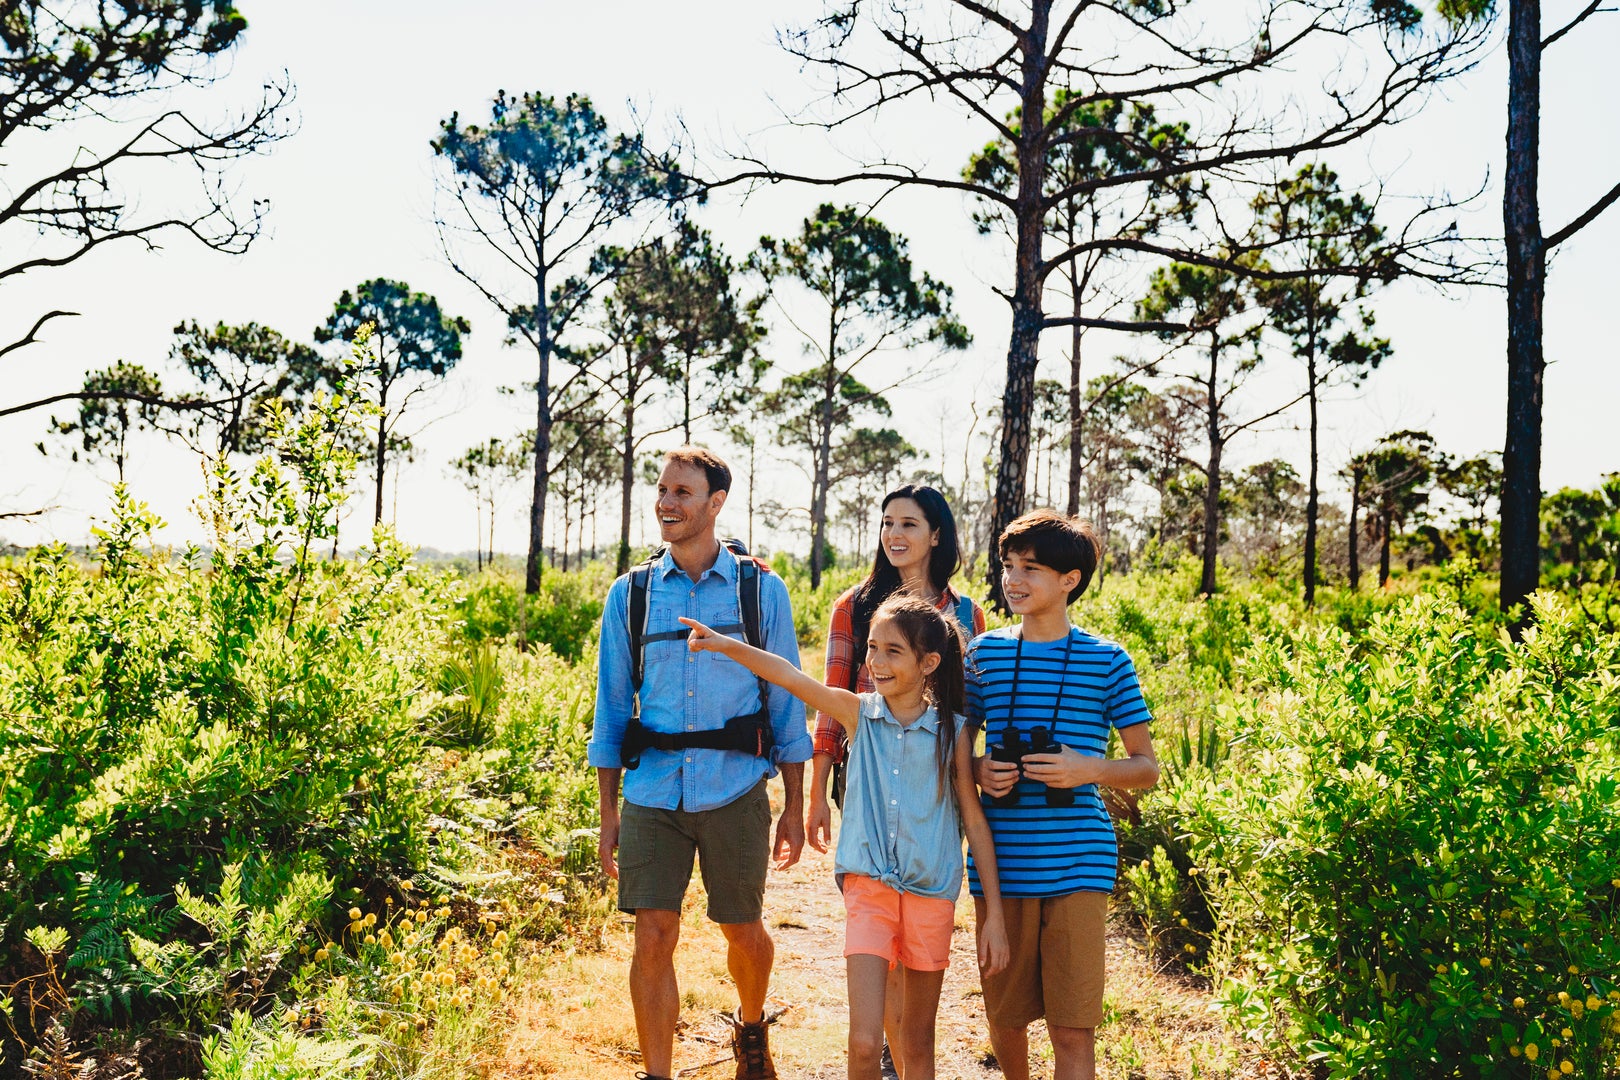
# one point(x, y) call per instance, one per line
point(751, 734)
point(964, 616)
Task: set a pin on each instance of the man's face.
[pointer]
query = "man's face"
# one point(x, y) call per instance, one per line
point(686, 507)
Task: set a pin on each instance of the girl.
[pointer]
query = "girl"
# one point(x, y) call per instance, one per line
point(910, 798)
point(917, 553)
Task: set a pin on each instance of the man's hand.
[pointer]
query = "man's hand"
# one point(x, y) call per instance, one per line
point(607, 841)
point(1068, 768)
point(995, 778)
point(789, 838)
point(818, 823)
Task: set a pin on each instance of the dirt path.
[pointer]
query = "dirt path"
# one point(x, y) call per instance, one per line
point(575, 1020)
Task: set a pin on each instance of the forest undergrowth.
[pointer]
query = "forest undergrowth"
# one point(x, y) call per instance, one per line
point(267, 813)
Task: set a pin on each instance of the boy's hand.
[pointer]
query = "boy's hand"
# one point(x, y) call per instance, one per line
point(995, 778)
point(1068, 768)
point(703, 639)
point(994, 952)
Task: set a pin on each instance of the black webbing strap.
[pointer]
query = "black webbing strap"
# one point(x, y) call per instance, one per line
point(753, 741)
point(686, 631)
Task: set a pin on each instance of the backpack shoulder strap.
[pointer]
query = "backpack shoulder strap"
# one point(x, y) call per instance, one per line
point(640, 578)
point(748, 571)
point(964, 613)
point(749, 567)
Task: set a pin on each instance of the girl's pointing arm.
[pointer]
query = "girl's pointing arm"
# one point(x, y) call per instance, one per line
point(835, 702)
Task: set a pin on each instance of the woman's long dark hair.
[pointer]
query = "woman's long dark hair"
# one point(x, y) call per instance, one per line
point(929, 630)
point(884, 580)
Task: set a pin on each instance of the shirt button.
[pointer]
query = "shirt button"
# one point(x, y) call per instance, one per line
point(692, 593)
point(894, 802)
point(897, 772)
point(689, 760)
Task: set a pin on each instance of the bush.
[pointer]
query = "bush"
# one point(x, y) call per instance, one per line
point(563, 616)
point(199, 750)
point(1411, 856)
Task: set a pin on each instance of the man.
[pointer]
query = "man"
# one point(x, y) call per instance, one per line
point(682, 799)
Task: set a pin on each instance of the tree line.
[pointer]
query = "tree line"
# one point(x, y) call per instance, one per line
point(1146, 170)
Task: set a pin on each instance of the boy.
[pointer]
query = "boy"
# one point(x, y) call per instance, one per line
point(1045, 679)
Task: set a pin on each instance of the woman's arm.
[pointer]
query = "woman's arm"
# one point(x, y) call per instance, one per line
point(993, 949)
point(841, 705)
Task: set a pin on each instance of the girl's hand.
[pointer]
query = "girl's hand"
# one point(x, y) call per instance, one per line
point(994, 953)
point(703, 639)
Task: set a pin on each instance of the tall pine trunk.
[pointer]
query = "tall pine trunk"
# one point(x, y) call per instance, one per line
point(1355, 532)
point(1526, 288)
point(1313, 495)
point(542, 438)
point(1212, 480)
point(1028, 314)
point(627, 480)
point(823, 472)
point(1386, 525)
point(381, 460)
point(1077, 423)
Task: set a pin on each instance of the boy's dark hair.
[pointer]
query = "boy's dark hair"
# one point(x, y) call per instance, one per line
point(1049, 538)
point(929, 630)
point(715, 470)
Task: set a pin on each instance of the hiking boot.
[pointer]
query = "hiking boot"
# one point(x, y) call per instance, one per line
point(751, 1045)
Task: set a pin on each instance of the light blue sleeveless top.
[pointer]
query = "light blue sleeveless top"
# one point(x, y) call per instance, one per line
point(900, 825)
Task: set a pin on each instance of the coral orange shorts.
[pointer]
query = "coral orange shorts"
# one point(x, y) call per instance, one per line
point(902, 928)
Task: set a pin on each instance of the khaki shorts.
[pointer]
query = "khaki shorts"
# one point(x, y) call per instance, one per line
point(1056, 967)
point(732, 844)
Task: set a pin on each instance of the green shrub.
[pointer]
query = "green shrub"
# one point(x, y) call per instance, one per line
point(563, 616)
point(1411, 856)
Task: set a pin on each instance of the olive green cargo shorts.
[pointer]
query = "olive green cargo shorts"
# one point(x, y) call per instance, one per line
point(732, 844)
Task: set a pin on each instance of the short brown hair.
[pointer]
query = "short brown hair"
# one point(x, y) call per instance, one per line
point(1051, 539)
point(716, 471)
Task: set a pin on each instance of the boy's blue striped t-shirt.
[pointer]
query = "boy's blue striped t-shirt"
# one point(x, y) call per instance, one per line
point(1079, 687)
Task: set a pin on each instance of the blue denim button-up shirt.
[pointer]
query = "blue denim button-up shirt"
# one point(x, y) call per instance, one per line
point(686, 691)
point(900, 826)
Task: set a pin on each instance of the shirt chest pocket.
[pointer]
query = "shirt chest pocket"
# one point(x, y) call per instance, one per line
point(666, 634)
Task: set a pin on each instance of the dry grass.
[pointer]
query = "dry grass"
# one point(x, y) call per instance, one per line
point(574, 1018)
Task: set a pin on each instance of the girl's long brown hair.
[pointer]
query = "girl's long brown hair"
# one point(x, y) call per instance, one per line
point(928, 630)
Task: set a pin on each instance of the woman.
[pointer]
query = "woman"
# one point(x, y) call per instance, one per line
point(917, 553)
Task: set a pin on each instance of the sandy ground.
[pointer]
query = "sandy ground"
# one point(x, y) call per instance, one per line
point(575, 1019)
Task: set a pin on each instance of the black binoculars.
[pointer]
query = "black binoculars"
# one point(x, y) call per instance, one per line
point(1012, 748)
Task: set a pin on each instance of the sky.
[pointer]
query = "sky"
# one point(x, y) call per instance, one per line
point(352, 197)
